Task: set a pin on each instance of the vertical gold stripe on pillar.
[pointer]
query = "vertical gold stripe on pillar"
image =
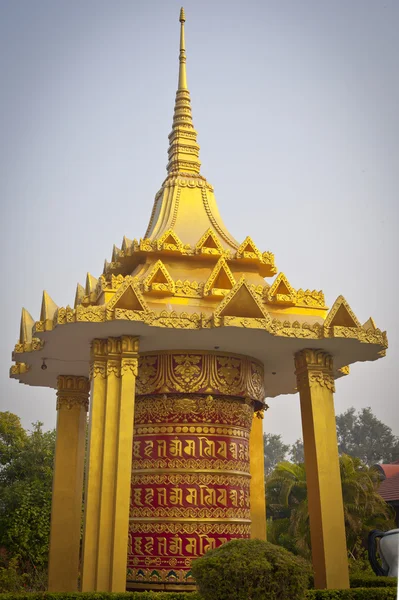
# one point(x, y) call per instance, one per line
point(98, 374)
point(66, 509)
point(129, 368)
point(257, 485)
point(314, 371)
point(108, 470)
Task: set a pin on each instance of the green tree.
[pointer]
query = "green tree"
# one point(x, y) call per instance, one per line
point(297, 454)
point(274, 451)
point(361, 435)
point(26, 472)
point(364, 509)
point(366, 437)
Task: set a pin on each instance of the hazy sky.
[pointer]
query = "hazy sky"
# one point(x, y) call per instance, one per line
point(296, 107)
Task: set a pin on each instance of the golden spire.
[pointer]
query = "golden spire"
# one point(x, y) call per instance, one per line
point(183, 148)
point(182, 55)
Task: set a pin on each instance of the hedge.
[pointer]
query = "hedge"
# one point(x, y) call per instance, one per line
point(101, 596)
point(373, 582)
point(353, 594)
point(366, 593)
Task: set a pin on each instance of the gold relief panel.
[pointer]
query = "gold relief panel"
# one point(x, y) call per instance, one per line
point(200, 372)
point(193, 408)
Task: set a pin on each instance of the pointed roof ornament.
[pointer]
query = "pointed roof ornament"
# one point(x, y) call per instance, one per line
point(182, 55)
point(80, 294)
point(48, 307)
point(183, 148)
point(25, 332)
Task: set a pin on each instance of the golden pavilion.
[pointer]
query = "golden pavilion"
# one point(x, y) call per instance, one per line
point(173, 350)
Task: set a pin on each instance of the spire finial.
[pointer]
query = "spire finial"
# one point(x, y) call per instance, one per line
point(183, 148)
point(182, 55)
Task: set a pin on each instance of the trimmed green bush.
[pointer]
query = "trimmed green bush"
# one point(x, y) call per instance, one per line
point(102, 596)
point(353, 594)
point(373, 582)
point(250, 570)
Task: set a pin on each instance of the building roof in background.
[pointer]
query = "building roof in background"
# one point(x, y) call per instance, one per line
point(389, 488)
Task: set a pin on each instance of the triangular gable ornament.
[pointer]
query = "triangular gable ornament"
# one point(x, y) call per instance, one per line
point(369, 324)
point(159, 280)
point(248, 251)
point(281, 291)
point(341, 315)
point(128, 297)
point(170, 242)
point(209, 244)
point(242, 303)
point(220, 281)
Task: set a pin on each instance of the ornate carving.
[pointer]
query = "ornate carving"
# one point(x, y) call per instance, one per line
point(243, 303)
point(170, 242)
point(208, 244)
point(19, 369)
point(193, 408)
point(203, 372)
point(72, 392)
point(113, 367)
point(220, 281)
point(159, 281)
point(248, 251)
point(190, 289)
point(314, 368)
point(129, 365)
point(312, 298)
point(281, 292)
point(238, 529)
point(341, 315)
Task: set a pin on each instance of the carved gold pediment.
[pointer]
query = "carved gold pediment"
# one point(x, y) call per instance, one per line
point(128, 296)
point(159, 280)
point(248, 251)
point(220, 281)
point(242, 302)
point(281, 292)
point(209, 244)
point(341, 315)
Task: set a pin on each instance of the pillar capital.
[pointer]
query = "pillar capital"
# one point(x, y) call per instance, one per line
point(98, 359)
point(72, 392)
point(129, 345)
point(314, 367)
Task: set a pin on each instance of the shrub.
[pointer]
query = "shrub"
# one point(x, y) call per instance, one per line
point(250, 570)
point(373, 582)
point(102, 596)
point(353, 594)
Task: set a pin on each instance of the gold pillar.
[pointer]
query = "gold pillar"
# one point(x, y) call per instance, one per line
point(314, 372)
point(114, 371)
point(66, 508)
point(98, 376)
point(257, 485)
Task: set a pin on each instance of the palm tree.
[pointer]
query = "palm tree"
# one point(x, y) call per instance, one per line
point(287, 506)
point(364, 509)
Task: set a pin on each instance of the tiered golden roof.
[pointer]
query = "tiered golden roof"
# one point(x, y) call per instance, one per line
point(188, 283)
